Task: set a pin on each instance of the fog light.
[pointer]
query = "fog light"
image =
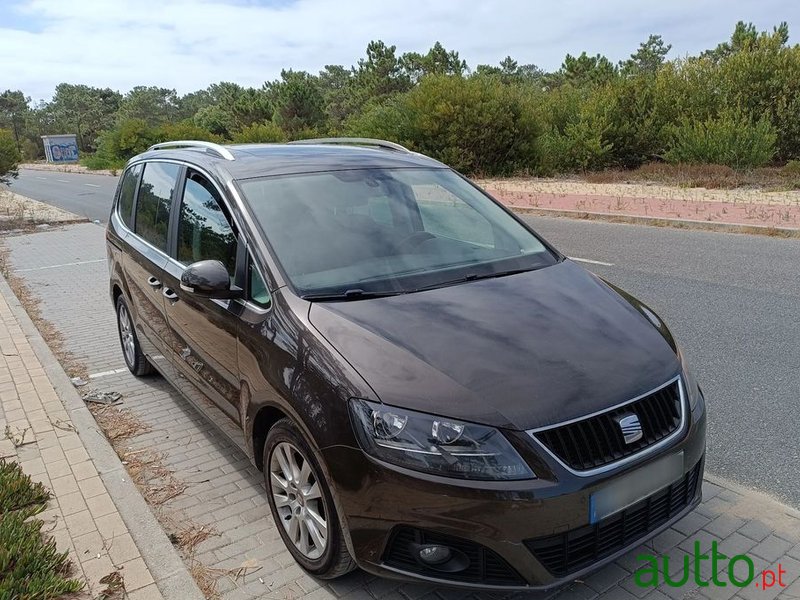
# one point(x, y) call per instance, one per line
point(434, 555)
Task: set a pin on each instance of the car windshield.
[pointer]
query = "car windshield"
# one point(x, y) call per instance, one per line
point(362, 232)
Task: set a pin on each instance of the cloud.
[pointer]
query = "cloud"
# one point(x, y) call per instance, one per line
point(187, 45)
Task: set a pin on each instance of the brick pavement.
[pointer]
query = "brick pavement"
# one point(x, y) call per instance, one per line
point(225, 492)
point(82, 518)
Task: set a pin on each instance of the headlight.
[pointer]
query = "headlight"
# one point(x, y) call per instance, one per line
point(435, 444)
point(690, 383)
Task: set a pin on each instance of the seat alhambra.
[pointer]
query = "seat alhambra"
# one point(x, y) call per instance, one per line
point(431, 390)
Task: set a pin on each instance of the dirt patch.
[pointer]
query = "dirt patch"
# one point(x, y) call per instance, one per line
point(767, 179)
point(72, 168)
point(18, 212)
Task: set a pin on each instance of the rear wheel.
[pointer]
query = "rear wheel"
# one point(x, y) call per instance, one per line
point(301, 504)
point(135, 359)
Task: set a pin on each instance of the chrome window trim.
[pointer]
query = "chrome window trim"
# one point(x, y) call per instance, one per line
point(628, 459)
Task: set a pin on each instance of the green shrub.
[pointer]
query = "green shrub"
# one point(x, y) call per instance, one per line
point(9, 156)
point(474, 125)
point(259, 133)
point(576, 126)
point(184, 130)
point(792, 168)
point(30, 565)
point(730, 139)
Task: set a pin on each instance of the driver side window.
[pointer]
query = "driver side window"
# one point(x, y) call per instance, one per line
point(204, 231)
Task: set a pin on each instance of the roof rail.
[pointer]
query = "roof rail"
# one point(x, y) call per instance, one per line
point(355, 141)
point(217, 149)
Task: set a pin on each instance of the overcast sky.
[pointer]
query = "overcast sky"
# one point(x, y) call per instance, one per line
point(186, 45)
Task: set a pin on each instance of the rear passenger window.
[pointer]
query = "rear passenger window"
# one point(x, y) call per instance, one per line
point(155, 198)
point(127, 189)
point(204, 232)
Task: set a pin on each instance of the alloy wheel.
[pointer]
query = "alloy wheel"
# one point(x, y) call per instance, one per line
point(126, 335)
point(298, 499)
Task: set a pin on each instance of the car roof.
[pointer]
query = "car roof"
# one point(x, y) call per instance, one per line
point(245, 161)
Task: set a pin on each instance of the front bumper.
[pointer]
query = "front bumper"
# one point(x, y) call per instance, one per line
point(512, 521)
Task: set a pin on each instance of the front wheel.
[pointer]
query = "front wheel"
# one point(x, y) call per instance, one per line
point(301, 504)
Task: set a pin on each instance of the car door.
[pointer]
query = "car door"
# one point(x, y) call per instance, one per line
point(203, 330)
point(145, 257)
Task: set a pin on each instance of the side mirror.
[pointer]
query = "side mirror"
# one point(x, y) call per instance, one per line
point(208, 278)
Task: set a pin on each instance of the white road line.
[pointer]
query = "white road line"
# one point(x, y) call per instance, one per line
point(63, 180)
point(91, 184)
point(45, 178)
point(591, 262)
point(107, 373)
point(72, 264)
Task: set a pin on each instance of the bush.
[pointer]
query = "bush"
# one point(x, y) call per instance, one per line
point(184, 130)
point(730, 139)
point(133, 136)
point(576, 125)
point(474, 125)
point(259, 133)
point(30, 565)
point(9, 156)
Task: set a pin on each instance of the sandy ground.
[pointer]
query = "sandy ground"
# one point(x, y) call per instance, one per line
point(17, 210)
point(739, 206)
point(68, 168)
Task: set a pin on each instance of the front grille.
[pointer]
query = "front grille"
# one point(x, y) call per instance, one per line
point(598, 441)
point(571, 551)
point(485, 566)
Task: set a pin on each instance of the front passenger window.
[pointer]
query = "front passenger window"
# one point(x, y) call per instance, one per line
point(204, 232)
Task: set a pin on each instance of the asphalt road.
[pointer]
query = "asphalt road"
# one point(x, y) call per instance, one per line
point(732, 301)
point(85, 195)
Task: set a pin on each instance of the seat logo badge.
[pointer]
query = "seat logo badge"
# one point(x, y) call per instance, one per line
point(631, 428)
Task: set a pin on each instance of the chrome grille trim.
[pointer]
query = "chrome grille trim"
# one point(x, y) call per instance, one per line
point(628, 459)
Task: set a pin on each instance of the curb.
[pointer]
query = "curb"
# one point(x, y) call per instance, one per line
point(718, 226)
point(162, 559)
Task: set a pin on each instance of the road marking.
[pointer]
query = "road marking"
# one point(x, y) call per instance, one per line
point(591, 262)
point(45, 178)
point(63, 180)
point(72, 264)
point(107, 373)
point(91, 184)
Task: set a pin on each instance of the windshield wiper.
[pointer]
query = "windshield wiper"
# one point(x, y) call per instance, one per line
point(351, 294)
point(474, 277)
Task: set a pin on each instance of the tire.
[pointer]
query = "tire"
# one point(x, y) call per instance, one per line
point(135, 359)
point(303, 501)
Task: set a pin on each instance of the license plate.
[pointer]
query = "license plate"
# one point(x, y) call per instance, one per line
point(635, 486)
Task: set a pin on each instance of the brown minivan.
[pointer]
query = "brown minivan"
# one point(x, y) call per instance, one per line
point(431, 390)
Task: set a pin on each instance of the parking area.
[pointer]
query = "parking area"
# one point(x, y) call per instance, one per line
point(219, 493)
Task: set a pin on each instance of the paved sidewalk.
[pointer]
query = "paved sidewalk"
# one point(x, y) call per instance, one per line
point(81, 517)
point(224, 493)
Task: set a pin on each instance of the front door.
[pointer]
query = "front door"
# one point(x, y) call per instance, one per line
point(203, 330)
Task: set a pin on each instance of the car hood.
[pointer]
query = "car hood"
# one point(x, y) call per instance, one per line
point(518, 352)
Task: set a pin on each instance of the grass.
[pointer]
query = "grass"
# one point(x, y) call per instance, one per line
point(30, 565)
point(705, 176)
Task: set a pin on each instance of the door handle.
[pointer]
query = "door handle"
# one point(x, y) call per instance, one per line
point(153, 282)
point(169, 294)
